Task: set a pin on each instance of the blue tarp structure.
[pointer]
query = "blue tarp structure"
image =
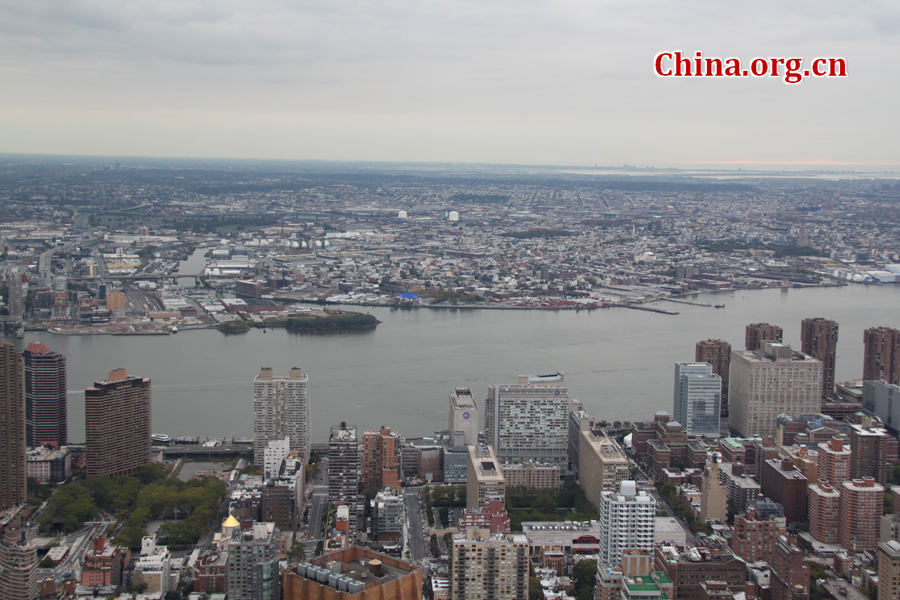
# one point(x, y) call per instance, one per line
point(408, 296)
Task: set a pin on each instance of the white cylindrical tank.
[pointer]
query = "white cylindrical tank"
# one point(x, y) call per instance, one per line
point(402, 214)
point(453, 215)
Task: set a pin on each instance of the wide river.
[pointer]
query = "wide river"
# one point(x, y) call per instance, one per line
point(619, 362)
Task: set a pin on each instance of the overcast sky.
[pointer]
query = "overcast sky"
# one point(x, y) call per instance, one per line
point(518, 81)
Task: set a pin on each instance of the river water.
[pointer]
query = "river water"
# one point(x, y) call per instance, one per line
point(619, 362)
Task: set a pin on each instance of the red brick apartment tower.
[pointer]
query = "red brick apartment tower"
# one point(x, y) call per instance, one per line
point(881, 357)
point(718, 354)
point(117, 423)
point(757, 333)
point(818, 338)
point(861, 507)
point(835, 462)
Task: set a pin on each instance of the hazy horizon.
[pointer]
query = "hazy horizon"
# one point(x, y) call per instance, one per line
point(497, 82)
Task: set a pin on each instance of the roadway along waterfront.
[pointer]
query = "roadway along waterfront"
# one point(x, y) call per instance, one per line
point(618, 362)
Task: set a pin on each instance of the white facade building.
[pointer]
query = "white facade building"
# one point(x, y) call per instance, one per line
point(771, 381)
point(529, 420)
point(627, 521)
point(281, 409)
point(464, 415)
point(275, 453)
point(153, 567)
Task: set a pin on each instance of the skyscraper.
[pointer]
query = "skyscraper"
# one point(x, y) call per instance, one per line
point(18, 570)
point(252, 564)
point(861, 506)
point(718, 354)
point(818, 338)
point(889, 570)
point(771, 381)
point(483, 565)
point(381, 459)
point(882, 354)
point(344, 472)
point(698, 398)
point(757, 333)
point(16, 296)
point(12, 427)
point(464, 415)
point(281, 409)
point(528, 420)
point(627, 521)
point(117, 424)
point(873, 452)
point(46, 400)
point(834, 462)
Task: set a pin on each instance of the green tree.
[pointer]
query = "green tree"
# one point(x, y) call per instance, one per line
point(297, 552)
point(535, 591)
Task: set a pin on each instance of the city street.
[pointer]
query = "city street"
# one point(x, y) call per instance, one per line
point(416, 526)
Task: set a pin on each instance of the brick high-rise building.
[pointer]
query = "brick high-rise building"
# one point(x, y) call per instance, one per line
point(485, 479)
point(873, 452)
point(771, 381)
point(688, 570)
point(889, 570)
point(381, 459)
point(783, 482)
point(756, 530)
point(281, 410)
point(861, 506)
point(604, 466)
point(818, 338)
point(790, 574)
point(117, 424)
point(881, 357)
point(718, 354)
point(18, 570)
point(46, 399)
point(104, 563)
point(834, 462)
point(12, 427)
point(824, 511)
point(757, 333)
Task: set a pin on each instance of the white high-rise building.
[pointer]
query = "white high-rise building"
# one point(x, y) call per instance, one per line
point(281, 409)
point(771, 381)
point(627, 521)
point(698, 398)
point(464, 415)
point(274, 454)
point(529, 420)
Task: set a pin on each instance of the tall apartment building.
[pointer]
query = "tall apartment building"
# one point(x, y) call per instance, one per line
point(16, 296)
point(12, 427)
point(818, 338)
point(464, 415)
point(627, 520)
point(579, 421)
point(117, 424)
point(834, 462)
point(104, 563)
point(18, 570)
point(528, 420)
point(757, 333)
point(388, 516)
point(485, 565)
point(889, 570)
point(604, 465)
point(861, 506)
point(252, 564)
point(698, 398)
point(713, 493)
point(756, 530)
point(485, 479)
point(381, 459)
point(882, 399)
point(785, 484)
point(46, 400)
point(689, 569)
point(718, 354)
point(771, 381)
point(790, 573)
point(873, 452)
point(281, 410)
point(824, 511)
point(345, 470)
point(881, 357)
